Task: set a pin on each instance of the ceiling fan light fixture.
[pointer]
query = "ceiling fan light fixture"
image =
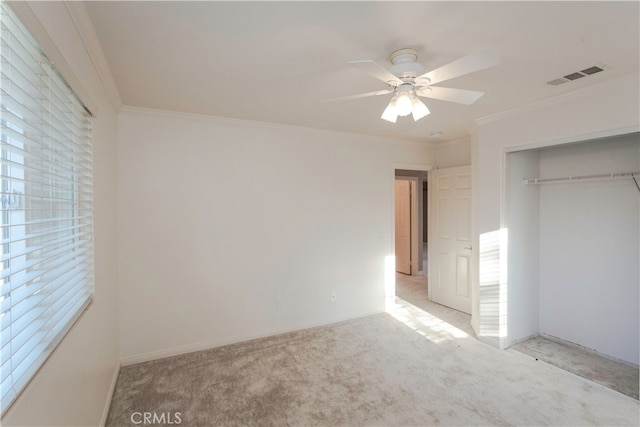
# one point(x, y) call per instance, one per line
point(407, 81)
point(404, 104)
point(389, 114)
point(419, 110)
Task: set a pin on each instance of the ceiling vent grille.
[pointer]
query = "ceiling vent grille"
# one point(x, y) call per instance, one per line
point(574, 76)
point(577, 75)
point(557, 82)
point(592, 70)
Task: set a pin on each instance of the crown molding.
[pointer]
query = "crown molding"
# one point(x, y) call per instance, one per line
point(80, 17)
point(555, 100)
point(129, 109)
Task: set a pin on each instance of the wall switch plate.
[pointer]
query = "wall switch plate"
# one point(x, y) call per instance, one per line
point(334, 296)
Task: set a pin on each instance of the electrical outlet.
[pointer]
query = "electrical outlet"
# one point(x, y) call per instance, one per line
point(279, 303)
point(334, 296)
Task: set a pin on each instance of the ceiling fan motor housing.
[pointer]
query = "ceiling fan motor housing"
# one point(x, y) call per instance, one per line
point(405, 65)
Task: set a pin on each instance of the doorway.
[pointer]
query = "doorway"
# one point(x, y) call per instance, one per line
point(411, 208)
point(449, 246)
point(410, 235)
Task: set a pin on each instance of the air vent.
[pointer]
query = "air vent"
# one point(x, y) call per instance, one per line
point(574, 76)
point(577, 75)
point(557, 82)
point(592, 70)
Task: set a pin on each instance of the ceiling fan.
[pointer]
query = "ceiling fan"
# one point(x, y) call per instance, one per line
point(407, 82)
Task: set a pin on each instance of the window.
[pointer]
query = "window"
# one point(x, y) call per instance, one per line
point(46, 280)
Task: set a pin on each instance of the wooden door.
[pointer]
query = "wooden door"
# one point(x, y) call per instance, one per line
point(403, 225)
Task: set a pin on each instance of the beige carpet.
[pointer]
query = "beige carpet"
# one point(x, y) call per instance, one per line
point(564, 355)
point(404, 368)
point(583, 362)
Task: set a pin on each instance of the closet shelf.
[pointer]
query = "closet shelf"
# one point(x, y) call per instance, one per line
point(618, 175)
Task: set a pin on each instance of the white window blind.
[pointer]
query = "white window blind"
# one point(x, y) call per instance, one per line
point(47, 230)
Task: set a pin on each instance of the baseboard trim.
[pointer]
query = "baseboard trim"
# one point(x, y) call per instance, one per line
point(493, 342)
point(520, 340)
point(589, 350)
point(206, 345)
point(112, 388)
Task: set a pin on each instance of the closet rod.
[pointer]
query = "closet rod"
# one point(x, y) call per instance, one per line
point(529, 181)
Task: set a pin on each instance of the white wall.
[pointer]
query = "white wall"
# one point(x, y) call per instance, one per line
point(231, 230)
point(453, 153)
point(607, 109)
point(523, 218)
point(589, 247)
point(73, 386)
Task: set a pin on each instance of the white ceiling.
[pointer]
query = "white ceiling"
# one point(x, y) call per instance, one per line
point(275, 61)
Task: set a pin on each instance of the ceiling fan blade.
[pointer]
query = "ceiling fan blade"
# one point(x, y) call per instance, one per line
point(361, 95)
point(465, 65)
point(461, 96)
point(378, 71)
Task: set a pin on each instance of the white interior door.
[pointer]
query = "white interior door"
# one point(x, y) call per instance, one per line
point(450, 238)
point(403, 226)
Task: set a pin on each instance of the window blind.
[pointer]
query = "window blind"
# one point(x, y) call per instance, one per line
point(46, 280)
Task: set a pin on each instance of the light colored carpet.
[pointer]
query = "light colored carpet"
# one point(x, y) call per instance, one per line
point(562, 354)
point(413, 289)
point(582, 362)
point(407, 367)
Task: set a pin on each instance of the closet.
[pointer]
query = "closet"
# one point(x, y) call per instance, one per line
point(573, 219)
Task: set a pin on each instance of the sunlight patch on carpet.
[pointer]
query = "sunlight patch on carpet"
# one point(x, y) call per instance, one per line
point(426, 324)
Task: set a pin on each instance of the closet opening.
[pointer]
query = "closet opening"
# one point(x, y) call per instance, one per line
point(573, 215)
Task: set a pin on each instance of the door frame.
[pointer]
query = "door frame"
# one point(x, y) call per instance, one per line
point(392, 226)
point(415, 252)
